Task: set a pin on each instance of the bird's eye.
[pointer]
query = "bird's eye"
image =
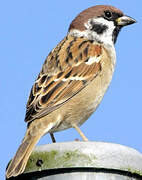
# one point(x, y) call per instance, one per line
point(108, 14)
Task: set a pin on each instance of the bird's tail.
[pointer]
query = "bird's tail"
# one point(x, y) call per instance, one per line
point(19, 162)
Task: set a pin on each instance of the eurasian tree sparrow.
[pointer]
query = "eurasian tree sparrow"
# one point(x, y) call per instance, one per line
point(73, 79)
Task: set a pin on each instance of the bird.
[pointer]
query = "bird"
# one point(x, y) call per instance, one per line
point(73, 79)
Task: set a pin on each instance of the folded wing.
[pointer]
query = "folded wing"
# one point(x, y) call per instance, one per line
point(69, 68)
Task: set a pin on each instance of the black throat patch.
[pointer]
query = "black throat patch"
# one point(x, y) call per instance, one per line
point(98, 27)
point(115, 33)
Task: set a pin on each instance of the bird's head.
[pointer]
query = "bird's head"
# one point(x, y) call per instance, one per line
point(100, 23)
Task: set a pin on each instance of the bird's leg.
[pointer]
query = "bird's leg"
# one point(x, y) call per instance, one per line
point(52, 137)
point(80, 132)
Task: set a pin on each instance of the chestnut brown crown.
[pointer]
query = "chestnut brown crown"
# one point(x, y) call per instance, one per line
point(92, 12)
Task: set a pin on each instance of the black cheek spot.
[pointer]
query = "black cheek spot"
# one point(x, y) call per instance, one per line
point(99, 28)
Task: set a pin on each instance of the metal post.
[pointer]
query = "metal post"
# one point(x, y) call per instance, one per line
point(83, 161)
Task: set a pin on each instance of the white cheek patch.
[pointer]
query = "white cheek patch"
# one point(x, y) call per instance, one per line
point(103, 21)
point(105, 38)
point(92, 60)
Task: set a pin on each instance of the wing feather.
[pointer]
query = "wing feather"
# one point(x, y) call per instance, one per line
point(64, 74)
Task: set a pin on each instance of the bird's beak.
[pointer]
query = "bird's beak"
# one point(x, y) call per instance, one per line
point(125, 20)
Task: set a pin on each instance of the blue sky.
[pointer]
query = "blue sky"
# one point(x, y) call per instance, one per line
point(29, 30)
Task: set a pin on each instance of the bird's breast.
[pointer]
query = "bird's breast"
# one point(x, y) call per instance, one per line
point(79, 108)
